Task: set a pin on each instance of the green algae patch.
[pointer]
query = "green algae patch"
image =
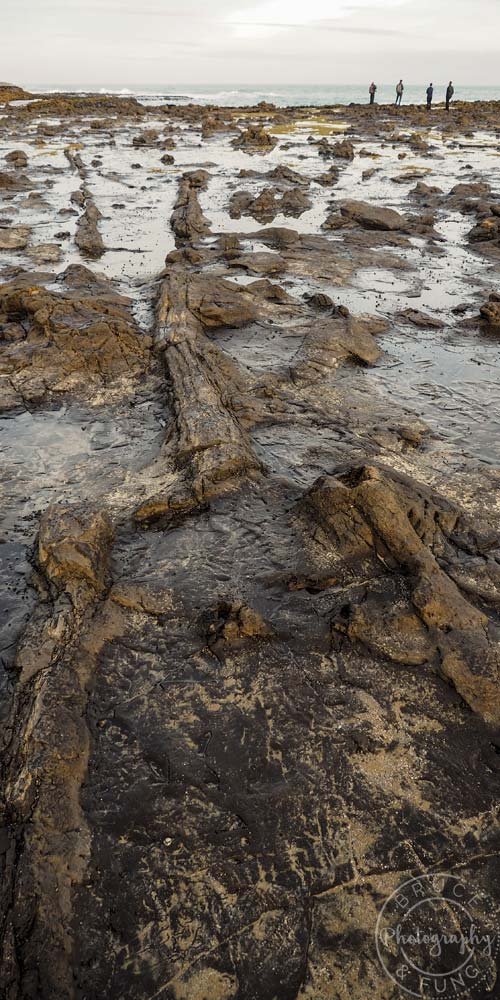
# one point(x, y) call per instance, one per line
point(312, 126)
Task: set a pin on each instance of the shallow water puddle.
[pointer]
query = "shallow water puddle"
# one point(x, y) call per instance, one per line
point(453, 381)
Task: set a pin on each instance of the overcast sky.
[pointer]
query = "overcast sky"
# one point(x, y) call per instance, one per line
point(120, 42)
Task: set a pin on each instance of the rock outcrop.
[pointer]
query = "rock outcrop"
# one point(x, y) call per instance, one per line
point(490, 311)
point(188, 221)
point(88, 238)
point(70, 342)
point(48, 754)
point(211, 449)
point(10, 92)
point(254, 139)
point(372, 216)
point(380, 523)
point(269, 203)
point(343, 150)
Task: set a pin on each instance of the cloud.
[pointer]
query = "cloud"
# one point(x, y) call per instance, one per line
point(107, 42)
point(331, 25)
point(279, 14)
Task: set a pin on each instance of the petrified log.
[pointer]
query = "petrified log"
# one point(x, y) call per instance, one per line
point(48, 755)
point(212, 450)
point(379, 522)
point(88, 237)
point(188, 221)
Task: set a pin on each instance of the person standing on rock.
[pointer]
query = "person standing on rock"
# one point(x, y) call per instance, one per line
point(399, 93)
point(449, 94)
point(430, 95)
point(372, 91)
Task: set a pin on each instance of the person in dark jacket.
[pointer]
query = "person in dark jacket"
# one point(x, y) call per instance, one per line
point(399, 93)
point(449, 94)
point(430, 95)
point(372, 91)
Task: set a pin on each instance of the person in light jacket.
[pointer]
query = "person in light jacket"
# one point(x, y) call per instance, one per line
point(399, 93)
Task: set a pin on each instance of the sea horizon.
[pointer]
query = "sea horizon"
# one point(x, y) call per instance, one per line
point(282, 95)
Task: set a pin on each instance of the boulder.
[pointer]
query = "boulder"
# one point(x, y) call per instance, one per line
point(373, 216)
point(14, 238)
point(343, 150)
point(149, 137)
point(254, 139)
point(294, 203)
point(268, 204)
point(13, 181)
point(73, 547)
point(285, 175)
point(17, 158)
point(487, 230)
point(88, 238)
point(45, 253)
point(329, 178)
point(74, 341)
point(490, 311)
point(418, 318)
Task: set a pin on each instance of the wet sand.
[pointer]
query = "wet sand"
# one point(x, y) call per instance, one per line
point(249, 433)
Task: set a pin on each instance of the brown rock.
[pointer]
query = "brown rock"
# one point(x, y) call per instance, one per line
point(329, 178)
point(88, 237)
point(188, 221)
point(13, 181)
point(232, 624)
point(212, 450)
point(372, 514)
point(15, 238)
point(254, 139)
point(74, 546)
point(149, 137)
point(343, 150)
point(372, 216)
point(68, 342)
point(9, 92)
point(17, 158)
point(420, 319)
point(268, 204)
point(45, 253)
point(295, 202)
point(490, 311)
point(333, 340)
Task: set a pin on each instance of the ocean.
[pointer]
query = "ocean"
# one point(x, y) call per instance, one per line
point(228, 95)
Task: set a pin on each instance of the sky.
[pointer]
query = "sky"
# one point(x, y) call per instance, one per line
point(122, 42)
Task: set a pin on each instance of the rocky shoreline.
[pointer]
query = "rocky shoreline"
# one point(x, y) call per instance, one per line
point(250, 646)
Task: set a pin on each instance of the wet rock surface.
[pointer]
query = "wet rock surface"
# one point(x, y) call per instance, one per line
point(188, 221)
point(254, 139)
point(250, 635)
point(490, 311)
point(370, 217)
point(74, 341)
point(269, 204)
